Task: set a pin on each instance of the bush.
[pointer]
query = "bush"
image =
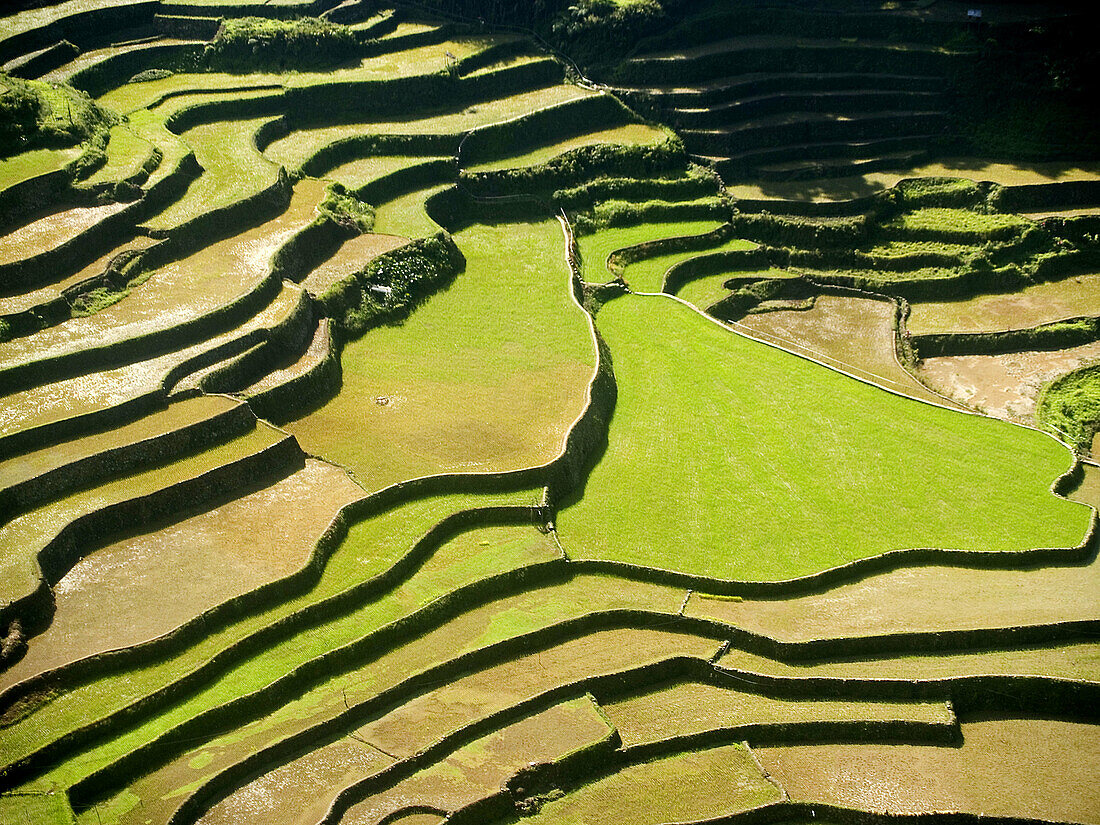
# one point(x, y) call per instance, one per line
point(35, 114)
point(248, 44)
point(345, 209)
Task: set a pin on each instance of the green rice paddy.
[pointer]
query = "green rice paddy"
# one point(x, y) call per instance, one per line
point(838, 484)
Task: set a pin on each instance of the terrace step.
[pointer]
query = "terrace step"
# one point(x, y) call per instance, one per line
point(839, 103)
point(38, 547)
point(761, 84)
point(767, 53)
point(285, 392)
point(65, 409)
point(212, 291)
point(799, 128)
point(40, 62)
point(836, 156)
point(31, 479)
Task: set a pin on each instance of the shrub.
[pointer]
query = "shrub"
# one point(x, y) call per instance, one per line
point(34, 113)
point(345, 209)
point(602, 31)
point(247, 44)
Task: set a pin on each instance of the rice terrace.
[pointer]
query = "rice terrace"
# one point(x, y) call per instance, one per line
point(642, 412)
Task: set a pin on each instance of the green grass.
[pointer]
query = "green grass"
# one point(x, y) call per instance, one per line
point(1070, 406)
point(31, 164)
point(685, 787)
point(405, 215)
point(487, 375)
point(708, 290)
point(633, 134)
point(685, 708)
point(596, 246)
point(791, 468)
point(126, 154)
point(649, 275)
point(234, 170)
point(960, 221)
point(897, 249)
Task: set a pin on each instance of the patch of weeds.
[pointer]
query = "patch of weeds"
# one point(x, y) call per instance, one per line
point(345, 209)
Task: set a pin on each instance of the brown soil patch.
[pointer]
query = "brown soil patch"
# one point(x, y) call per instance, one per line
point(855, 335)
point(219, 553)
point(352, 257)
point(685, 708)
point(188, 412)
point(1039, 304)
point(320, 345)
point(95, 391)
point(299, 792)
point(1003, 386)
point(918, 600)
point(460, 702)
point(1088, 491)
point(1026, 768)
point(480, 768)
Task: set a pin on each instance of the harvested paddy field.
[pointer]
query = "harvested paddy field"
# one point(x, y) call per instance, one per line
point(354, 467)
point(223, 552)
point(853, 335)
point(690, 787)
point(986, 775)
point(1073, 297)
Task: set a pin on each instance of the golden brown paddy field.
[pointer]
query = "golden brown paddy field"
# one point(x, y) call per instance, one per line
point(387, 509)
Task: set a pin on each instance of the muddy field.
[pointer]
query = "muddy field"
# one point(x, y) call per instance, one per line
point(1003, 386)
point(1031, 768)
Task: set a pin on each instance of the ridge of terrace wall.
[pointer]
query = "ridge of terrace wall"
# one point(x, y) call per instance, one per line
point(354, 100)
point(409, 179)
point(222, 615)
point(287, 400)
point(286, 12)
point(117, 69)
point(584, 161)
point(47, 60)
point(68, 364)
point(417, 684)
point(282, 340)
point(1071, 332)
point(582, 114)
point(802, 58)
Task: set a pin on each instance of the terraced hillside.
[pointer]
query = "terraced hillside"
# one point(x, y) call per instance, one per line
point(393, 431)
